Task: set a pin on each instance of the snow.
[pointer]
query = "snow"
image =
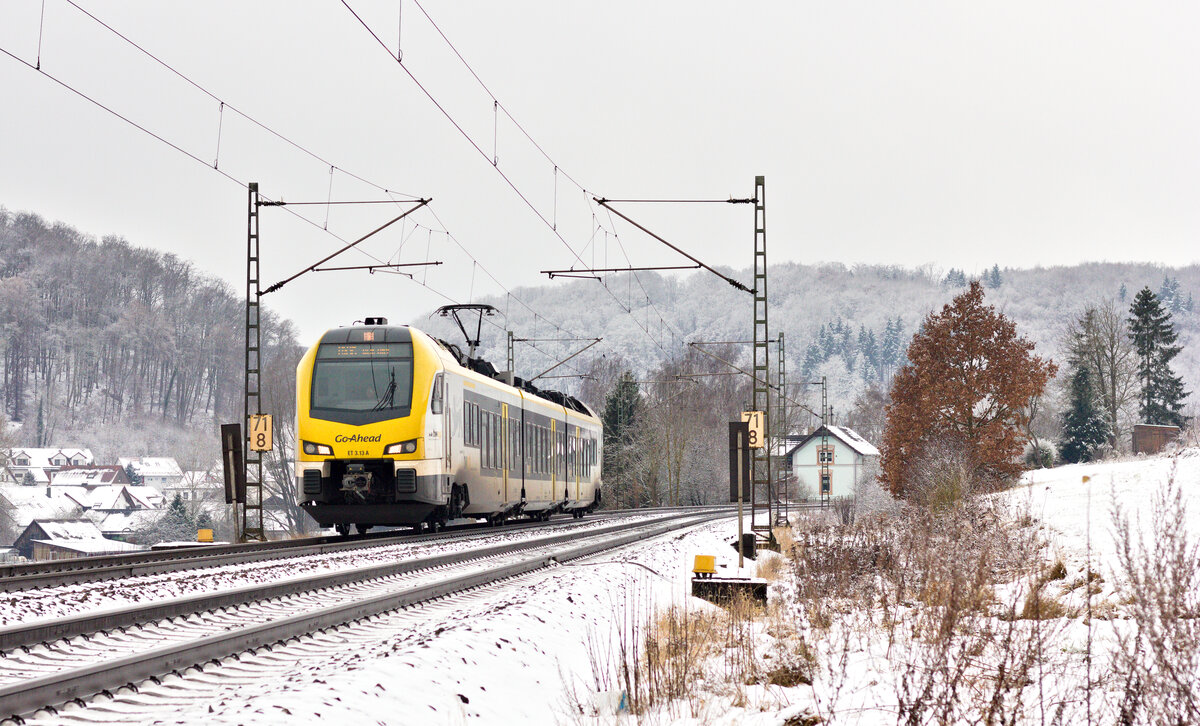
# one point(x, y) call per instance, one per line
point(1077, 501)
point(461, 659)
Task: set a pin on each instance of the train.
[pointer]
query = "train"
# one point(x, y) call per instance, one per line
point(398, 428)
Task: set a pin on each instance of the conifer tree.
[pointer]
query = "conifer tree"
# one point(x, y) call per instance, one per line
point(1085, 429)
point(812, 359)
point(622, 412)
point(1154, 338)
point(993, 278)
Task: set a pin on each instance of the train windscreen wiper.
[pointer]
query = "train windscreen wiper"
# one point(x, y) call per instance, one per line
point(387, 400)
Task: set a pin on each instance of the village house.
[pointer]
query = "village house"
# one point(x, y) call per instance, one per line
point(33, 467)
point(58, 539)
point(829, 462)
point(20, 505)
point(90, 476)
point(160, 472)
point(199, 487)
point(120, 510)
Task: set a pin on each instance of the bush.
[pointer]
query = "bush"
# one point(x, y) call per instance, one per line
point(1041, 457)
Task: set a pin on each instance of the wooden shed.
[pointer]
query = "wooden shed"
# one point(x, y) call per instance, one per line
point(1152, 438)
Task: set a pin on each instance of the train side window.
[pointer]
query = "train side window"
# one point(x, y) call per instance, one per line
point(486, 421)
point(466, 423)
point(495, 440)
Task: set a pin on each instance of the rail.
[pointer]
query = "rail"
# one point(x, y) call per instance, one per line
point(27, 576)
point(74, 682)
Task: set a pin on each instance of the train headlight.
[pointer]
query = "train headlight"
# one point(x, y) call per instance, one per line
point(404, 447)
point(317, 449)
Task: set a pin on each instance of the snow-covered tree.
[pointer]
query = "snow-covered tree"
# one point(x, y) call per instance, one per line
point(1154, 338)
point(1085, 430)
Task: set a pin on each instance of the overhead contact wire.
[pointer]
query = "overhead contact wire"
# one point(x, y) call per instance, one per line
point(475, 145)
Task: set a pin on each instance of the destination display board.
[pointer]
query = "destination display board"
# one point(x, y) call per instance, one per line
point(345, 351)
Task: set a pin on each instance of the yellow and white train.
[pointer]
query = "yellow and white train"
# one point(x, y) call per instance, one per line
point(395, 427)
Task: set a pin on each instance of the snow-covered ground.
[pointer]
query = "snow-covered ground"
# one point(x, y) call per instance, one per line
point(1077, 500)
point(535, 649)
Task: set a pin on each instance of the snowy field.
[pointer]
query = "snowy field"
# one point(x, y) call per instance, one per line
point(1077, 502)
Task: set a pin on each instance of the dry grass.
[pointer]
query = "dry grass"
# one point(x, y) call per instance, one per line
point(769, 566)
point(1158, 661)
point(677, 657)
point(1040, 605)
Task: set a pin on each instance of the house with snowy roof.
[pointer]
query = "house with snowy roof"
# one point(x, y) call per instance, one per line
point(160, 472)
point(20, 505)
point(57, 539)
point(32, 466)
point(120, 510)
point(90, 476)
point(830, 460)
point(198, 487)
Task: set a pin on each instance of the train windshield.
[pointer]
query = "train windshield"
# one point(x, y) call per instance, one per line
point(363, 377)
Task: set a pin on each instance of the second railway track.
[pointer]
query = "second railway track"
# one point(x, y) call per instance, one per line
point(37, 575)
point(52, 663)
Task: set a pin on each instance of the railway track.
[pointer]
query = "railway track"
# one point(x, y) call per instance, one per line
point(47, 664)
point(35, 575)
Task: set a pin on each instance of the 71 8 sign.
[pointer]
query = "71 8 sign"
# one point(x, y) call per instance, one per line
point(755, 421)
point(260, 432)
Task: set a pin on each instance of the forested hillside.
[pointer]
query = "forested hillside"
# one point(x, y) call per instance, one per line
point(120, 348)
point(848, 324)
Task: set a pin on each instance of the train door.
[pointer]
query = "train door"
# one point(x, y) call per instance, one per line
point(522, 441)
point(577, 458)
point(553, 462)
point(440, 420)
point(504, 444)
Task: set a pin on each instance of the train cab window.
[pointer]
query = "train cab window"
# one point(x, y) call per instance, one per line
point(363, 377)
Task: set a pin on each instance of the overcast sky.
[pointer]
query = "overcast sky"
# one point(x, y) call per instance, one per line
point(956, 133)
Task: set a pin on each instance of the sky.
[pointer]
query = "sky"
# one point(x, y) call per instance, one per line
point(946, 133)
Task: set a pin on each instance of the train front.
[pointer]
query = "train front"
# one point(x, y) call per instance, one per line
point(363, 401)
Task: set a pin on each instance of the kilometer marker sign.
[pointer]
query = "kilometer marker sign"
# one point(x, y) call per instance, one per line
point(755, 420)
point(260, 432)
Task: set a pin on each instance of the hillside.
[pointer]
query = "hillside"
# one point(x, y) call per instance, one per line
point(119, 348)
point(806, 298)
point(102, 336)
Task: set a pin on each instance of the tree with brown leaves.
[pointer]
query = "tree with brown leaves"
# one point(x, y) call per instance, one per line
point(963, 397)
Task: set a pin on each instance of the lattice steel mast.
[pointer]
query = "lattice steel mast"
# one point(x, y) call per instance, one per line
point(761, 400)
point(252, 516)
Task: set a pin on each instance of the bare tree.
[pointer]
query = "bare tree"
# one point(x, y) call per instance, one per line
point(1099, 339)
point(280, 357)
